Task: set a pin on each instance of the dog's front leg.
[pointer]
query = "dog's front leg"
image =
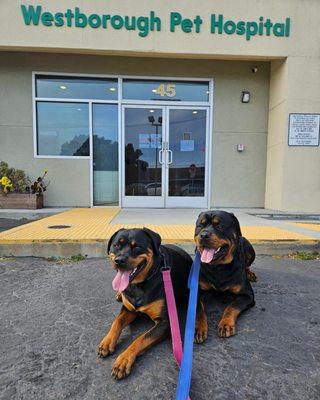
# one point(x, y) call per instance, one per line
point(108, 343)
point(201, 329)
point(124, 362)
point(227, 324)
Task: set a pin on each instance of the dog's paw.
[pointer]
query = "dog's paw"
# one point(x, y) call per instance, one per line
point(225, 329)
point(106, 347)
point(201, 331)
point(122, 365)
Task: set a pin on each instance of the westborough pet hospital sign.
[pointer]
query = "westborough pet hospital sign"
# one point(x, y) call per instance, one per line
point(143, 25)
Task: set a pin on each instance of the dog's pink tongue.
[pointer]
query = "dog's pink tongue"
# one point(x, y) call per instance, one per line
point(121, 281)
point(207, 255)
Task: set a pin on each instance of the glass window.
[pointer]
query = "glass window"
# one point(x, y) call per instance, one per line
point(105, 154)
point(63, 129)
point(165, 90)
point(63, 87)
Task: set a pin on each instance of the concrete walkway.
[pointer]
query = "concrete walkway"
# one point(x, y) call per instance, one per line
point(85, 231)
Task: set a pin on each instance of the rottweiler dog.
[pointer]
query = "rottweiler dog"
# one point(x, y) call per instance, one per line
point(226, 257)
point(137, 257)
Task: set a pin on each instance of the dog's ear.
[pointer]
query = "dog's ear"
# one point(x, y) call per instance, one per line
point(155, 239)
point(111, 239)
point(238, 229)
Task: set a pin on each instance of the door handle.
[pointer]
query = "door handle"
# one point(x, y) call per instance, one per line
point(170, 157)
point(160, 155)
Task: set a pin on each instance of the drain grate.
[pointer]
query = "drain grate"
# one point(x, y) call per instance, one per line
point(59, 226)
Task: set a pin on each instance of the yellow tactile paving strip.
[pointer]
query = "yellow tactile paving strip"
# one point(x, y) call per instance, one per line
point(90, 225)
point(86, 224)
point(313, 227)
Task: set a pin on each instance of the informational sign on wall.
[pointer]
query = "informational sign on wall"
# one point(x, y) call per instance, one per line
point(304, 129)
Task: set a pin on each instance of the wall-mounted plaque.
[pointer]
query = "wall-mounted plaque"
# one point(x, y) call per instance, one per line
point(304, 129)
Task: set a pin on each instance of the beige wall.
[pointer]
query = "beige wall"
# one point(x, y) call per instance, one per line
point(303, 13)
point(238, 179)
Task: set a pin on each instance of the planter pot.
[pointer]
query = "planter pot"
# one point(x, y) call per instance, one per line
point(21, 200)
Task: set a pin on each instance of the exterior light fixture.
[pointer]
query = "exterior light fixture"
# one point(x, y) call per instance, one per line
point(154, 90)
point(112, 89)
point(79, 109)
point(63, 87)
point(152, 111)
point(245, 97)
point(194, 112)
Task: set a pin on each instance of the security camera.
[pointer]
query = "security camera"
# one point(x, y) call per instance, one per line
point(254, 70)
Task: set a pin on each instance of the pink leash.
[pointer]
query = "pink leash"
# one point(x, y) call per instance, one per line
point(173, 315)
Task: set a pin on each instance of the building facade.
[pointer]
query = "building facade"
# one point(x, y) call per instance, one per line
point(164, 105)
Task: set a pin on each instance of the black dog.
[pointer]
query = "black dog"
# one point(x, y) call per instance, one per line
point(225, 260)
point(137, 256)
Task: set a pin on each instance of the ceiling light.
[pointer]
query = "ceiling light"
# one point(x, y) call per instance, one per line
point(208, 91)
point(152, 111)
point(154, 90)
point(194, 112)
point(63, 87)
point(79, 109)
point(112, 89)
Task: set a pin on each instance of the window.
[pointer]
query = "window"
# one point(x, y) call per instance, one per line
point(76, 88)
point(105, 154)
point(165, 90)
point(62, 128)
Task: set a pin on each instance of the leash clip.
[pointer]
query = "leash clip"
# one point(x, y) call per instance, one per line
point(165, 266)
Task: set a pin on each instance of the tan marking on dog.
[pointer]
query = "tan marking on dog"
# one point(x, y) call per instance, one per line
point(127, 303)
point(235, 289)
point(215, 220)
point(206, 285)
point(148, 257)
point(153, 310)
point(133, 243)
point(112, 256)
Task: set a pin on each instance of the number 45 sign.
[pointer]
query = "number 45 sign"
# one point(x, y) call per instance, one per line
point(166, 90)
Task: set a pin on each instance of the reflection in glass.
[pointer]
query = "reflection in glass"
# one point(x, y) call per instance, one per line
point(76, 88)
point(105, 154)
point(63, 129)
point(187, 141)
point(143, 140)
point(165, 90)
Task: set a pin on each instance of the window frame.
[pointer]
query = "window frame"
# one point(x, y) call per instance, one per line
point(120, 102)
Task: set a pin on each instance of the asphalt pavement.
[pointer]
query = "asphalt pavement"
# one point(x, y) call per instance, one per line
point(53, 316)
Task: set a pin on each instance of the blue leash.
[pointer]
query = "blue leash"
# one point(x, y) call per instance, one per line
point(185, 373)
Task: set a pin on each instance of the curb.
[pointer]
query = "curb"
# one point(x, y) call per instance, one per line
point(98, 248)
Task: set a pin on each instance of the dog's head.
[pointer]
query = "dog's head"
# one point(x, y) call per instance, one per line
point(132, 253)
point(217, 235)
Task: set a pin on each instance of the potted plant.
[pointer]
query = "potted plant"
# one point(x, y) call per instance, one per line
point(17, 190)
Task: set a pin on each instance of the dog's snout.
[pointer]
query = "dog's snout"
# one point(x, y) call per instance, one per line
point(205, 235)
point(120, 260)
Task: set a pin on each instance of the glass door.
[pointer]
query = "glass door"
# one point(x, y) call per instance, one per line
point(186, 172)
point(165, 156)
point(143, 156)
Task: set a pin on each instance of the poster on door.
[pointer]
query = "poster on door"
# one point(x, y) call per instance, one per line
point(149, 141)
point(304, 129)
